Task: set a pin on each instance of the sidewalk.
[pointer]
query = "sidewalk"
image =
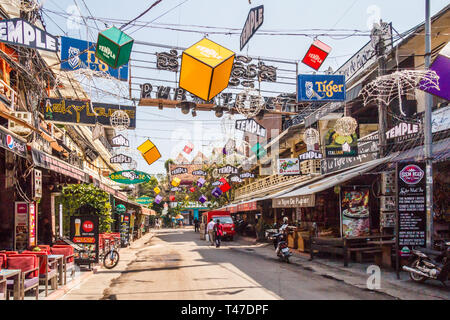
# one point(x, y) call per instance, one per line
point(95, 289)
point(355, 274)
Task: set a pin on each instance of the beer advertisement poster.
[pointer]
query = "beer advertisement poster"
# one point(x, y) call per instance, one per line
point(84, 232)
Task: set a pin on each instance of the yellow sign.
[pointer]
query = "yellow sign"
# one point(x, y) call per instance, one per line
point(157, 190)
point(149, 151)
point(205, 69)
point(176, 182)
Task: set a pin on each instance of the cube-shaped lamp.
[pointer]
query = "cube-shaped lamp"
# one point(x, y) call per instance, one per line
point(188, 148)
point(205, 69)
point(187, 197)
point(176, 182)
point(202, 199)
point(149, 151)
point(225, 186)
point(158, 199)
point(157, 190)
point(216, 192)
point(192, 189)
point(172, 198)
point(259, 150)
point(114, 47)
point(201, 182)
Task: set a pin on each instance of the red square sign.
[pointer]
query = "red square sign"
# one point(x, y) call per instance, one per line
point(316, 54)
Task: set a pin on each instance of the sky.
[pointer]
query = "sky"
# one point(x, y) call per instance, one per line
point(169, 129)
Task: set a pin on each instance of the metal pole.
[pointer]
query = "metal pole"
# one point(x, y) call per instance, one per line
point(380, 49)
point(428, 132)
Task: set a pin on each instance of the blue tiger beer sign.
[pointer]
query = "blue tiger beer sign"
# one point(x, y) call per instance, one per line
point(74, 57)
point(321, 87)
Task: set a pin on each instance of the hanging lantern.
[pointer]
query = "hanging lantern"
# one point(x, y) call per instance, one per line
point(216, 192)
point(188, 148)
point(201, 182)
point(249, 102)
point(120, 120)
point(149, 151)
point(158, 199)
point(187, 197)
point(202, 199)
point(205, 69)
point(176, 182)
point(192, 189)
point(172, 198)
point(311, 136)
point(157, 190)
point(114, 47)
point(345, 126)
point(225, 186)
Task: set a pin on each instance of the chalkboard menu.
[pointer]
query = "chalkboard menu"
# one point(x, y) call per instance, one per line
point(411, 192)
point(125, 229)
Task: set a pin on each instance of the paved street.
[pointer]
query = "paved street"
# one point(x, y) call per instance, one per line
point(176, 264)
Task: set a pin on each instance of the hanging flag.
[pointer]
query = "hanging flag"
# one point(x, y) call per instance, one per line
point(316, 54)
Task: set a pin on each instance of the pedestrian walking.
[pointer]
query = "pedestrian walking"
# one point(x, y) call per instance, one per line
point(218, 231)
point(196, 225)
point(210, 230)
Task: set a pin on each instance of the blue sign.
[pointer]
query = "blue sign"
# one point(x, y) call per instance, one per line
point(70, 51)
point(321, 87)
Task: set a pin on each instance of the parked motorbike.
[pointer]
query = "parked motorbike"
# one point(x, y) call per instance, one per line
point(281, 248)
point(426, 264)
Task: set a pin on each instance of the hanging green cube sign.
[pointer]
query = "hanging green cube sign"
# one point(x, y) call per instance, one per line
point(114, 47)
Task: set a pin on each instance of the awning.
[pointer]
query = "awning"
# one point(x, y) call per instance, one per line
point(49, 162)
point(441, 152)
point(301, 196)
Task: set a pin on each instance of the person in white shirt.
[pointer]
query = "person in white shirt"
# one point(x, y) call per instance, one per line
point(210, 230)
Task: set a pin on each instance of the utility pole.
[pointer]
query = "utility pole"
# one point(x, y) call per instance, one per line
point(377, 37)
point(428, 135)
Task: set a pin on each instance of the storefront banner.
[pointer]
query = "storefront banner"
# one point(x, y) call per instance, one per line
point(124, 228)
point(10, 143)
point(367, 151)
point(73, 59)
point(249, 206)
point(288, 166)
point(21, 33)
point(411, 199)
point(441, 65)
point(254, 20)
point(403, 131)
point(84, 232)
point(355, 212)
point(84, 113)
point(310, 155)
point(322, 88)
point(308, 200)
point(32, 233)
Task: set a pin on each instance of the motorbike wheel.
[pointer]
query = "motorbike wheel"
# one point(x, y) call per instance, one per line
point(414, 276)
point(287, 260)
point(109, 263)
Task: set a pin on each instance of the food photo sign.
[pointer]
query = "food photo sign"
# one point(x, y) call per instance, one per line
point(84, 232)
point(355, 212)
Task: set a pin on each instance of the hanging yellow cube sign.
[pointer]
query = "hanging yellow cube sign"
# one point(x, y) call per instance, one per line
point(205, 69)
point(157, 190)
point(176, 182)
point(149, 151)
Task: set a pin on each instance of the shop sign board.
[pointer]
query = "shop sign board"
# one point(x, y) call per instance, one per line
point(10, 143)
point(308, 200)
point(355, 212)
point(321, 88)
point(20, 225)
point(340, 146)
point(228, 169)
point(32, 233)
point(411, 211)
point(21, 33)
point(254, 20)
point(179, 170)
point(129, 176)
point(78, 54)
point(198, 173)
point(289, 166)
point(403, 131)
point(120, 158)
point(310, 155)
point(251, 126)
point(144, 200)
point(124, 228)
point(83, 112)
point(316, 54)
point(249, 206)
point(440, 119)
point(84, 232)
point(367, 151)
point(120, 141)
point(247, 175)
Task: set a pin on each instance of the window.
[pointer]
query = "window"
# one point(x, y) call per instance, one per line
point(223, 219)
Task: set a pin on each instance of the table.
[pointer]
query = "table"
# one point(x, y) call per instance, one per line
point(386, 251)
point(16, 274)
point(61, 262)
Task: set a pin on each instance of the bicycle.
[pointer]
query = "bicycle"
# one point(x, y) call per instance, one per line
point(111, 258)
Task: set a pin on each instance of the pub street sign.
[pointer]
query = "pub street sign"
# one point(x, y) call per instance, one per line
point(227, 170)
point(254, 20)
point(120, 141)
point(308, 200)
point(310, 155)
point(198, 173)
point(251, 126)
point(120, 158)
point(403, 131)
point(178, 170)
point(21, 33)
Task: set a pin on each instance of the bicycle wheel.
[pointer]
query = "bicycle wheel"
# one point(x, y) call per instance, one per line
point(111, 259)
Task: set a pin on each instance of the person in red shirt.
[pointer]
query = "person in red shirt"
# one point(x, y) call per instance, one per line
point(218, 229)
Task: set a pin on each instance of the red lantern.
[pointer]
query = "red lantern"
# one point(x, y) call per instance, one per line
point(172, 198)
point(316, 54)
point(192, 189)
point(225, 186)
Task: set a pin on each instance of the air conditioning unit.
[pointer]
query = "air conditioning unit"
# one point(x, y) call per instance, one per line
point(17, 128)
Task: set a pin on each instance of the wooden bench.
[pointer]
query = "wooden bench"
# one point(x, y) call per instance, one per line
point(360, 251)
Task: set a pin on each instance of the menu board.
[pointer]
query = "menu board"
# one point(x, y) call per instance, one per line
point(411, 190)
point(125, 229)
point(84, 232)
point(20, 225)
point(355, 212)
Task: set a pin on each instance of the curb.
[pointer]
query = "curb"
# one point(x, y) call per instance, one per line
point(69, 286)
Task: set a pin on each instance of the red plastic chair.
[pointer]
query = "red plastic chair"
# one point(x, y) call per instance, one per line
point(29, 265)
point(69, 263)
point(45, 247)
point(2, 260)
point(10, 252)
point(47, 269)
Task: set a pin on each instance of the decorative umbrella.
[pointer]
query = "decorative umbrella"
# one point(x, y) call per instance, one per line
point(386, 88)
point(179, 217)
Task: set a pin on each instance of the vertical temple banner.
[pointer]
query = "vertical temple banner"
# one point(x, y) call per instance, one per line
point(254, 20)
point(73, 60)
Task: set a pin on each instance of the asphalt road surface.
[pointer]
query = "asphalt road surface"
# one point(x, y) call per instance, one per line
point(176, 264)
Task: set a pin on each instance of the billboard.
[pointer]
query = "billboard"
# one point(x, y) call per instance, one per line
point(324, 88)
